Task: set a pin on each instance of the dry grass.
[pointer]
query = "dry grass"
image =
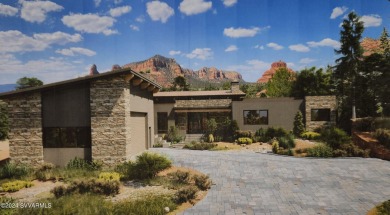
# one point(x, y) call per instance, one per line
point(301, 145)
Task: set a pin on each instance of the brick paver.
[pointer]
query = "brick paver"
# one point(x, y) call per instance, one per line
point(253, 183)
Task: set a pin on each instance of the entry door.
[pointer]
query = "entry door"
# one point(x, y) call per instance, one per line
point(139, 132)
point(196, 122)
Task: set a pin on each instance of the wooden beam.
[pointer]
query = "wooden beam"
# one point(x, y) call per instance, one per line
point(129, 77)
point(145, 85)
point(137, 81)
point(156, 90)
point(151, 88)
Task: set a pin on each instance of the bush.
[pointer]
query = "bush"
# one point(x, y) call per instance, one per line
point(186, 194)
point(320, 150)
point(247, 134)
point(79, 163)
point(266, 135)
point(334, 137)
point(13, 170)
point(299, 127)
point(244, 140)
point(180, 177)
point(310, 135)
point(351, 150)
point(109, 176)
point(100, 187)
point(275, 147)
point(173, 135)
point(199, 146)
point(384, 208)
point(286, 142)
point(211, 138)
point(211, 126)
point(288, 152)
point(203, 182)
point(153, 205)
point(383, 136)
point(14, 186)
point(158, 145)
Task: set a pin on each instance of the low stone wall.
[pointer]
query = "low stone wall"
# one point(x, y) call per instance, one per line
point(365, 141)
point(25, 123)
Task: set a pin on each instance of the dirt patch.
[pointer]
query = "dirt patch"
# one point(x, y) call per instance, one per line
point(255, 147)
point(4, 150)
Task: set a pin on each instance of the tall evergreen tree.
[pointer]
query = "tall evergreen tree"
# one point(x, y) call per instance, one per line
point(385, 43)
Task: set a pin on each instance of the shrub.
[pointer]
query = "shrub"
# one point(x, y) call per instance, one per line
point(100, 187)
point(351, 150)
point(244, 140)
point(384, 208)
point(14, 186)
point(275, 147)
point(275, 132)
point(288, 152)
point(310, 135)
point(383, 136)
point(334, 137)
point(320, 150)
point(247, 134)
point(158, 145)
point(79, 163)
point(203, 182)
point(13, 170)
point(300, 151)
point(173, 135)
point(182, 177)
point(153, 205)
point(211, 138)
point(286, 142)
point(199, 146)
point(109, 176)
point(146, 166)
point(299, 127)
point(211, 126)
point(186, 194)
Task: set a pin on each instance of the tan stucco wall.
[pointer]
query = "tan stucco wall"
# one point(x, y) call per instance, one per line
point(281, 111)
point(61, 156)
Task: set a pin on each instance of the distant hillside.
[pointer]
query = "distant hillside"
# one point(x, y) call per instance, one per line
point(7, 87)
point(163, 70)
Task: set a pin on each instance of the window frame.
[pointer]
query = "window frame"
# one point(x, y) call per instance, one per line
point(161, 131)
point(64, 140)
point(320, 117)
point(258, 121)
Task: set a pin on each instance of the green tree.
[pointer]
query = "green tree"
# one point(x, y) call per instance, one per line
point(280, 85)
point(180, 84)
point(385, 43)
point(3, 120)
point(346, 72)
point(312, 82)
point(299, 127)
point(26, 82)
point(251, 89)
point(226, 85)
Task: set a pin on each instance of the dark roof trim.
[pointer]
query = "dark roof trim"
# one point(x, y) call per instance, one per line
point(81, 80)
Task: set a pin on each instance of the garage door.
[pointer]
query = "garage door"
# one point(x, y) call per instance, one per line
point(138, 133)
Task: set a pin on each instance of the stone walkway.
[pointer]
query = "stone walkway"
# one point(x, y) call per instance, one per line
point(253, 183)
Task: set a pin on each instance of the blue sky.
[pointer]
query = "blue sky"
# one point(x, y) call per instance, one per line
point(57, 40)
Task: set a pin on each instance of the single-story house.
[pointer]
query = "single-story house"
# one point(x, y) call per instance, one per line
point(106, 117)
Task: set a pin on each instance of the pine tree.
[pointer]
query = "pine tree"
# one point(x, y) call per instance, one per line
point(385, 43)
point(299, 127)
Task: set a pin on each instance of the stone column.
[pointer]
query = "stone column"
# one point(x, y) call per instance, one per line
point(320, 102)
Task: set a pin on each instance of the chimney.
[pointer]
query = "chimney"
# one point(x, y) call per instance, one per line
point(93, 70)
point(235, 86)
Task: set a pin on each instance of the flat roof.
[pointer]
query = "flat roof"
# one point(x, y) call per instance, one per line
point(199, 93)
point(80, 80)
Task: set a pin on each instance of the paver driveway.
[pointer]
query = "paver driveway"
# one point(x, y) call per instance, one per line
point(253, 183)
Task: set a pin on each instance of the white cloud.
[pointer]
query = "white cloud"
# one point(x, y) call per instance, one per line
point(338, 11)
point(201, 53)
point(7, 10)
point(16, 41)
point(119, 11)
point(261, 47)
point(159, 11)
point(173, 52)
point(97, 2)
point(274, 46)
point(299, 48)
point(325, 42)
point(117, 1)
point(90, 23)
point(372, 20)
point(307, 60)
point(76, 50)
point(140, 19)
point(243, 32)
point(36, 11)
point(229, 3)
point(231, 48)
point(58, 38)
point(192, 7)
point(134, 27)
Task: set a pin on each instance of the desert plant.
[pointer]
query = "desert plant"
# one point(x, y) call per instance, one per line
point(310, 135)
point(244, 140)
point(320, 150)
point(211, 126)
point(247, 134)
point(79, 163)
point(153, 205)
point(173, 135)
point(186, 194)
point(384, 208)
point(286, 142)
point(100, 187)
point(211, 138)
point(182, 177)
point(147, 165)
point(299, 127)
point(203, 182)
point(199, 146)
point(351, 150)
point(158, 145)
point(109, 176)
point(334, 137)
point(275, 147)
point(14, 186)
point(13, 170)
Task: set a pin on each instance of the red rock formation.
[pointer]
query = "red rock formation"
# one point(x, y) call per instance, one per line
point(270, 73)
point(370, 46)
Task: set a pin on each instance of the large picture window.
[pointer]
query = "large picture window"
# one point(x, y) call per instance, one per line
point(70, 137)
point(255, 117)
point(320, 114)
point(162, 122)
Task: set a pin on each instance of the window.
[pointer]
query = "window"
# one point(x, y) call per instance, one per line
point(255, 117)
point(320, 114)
point(162, 122)
point(70, 137)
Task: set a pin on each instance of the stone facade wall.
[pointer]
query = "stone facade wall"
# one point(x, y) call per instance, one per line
point(319, 102)
point(25, 123)
point(205, 103)
point(110, 113)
